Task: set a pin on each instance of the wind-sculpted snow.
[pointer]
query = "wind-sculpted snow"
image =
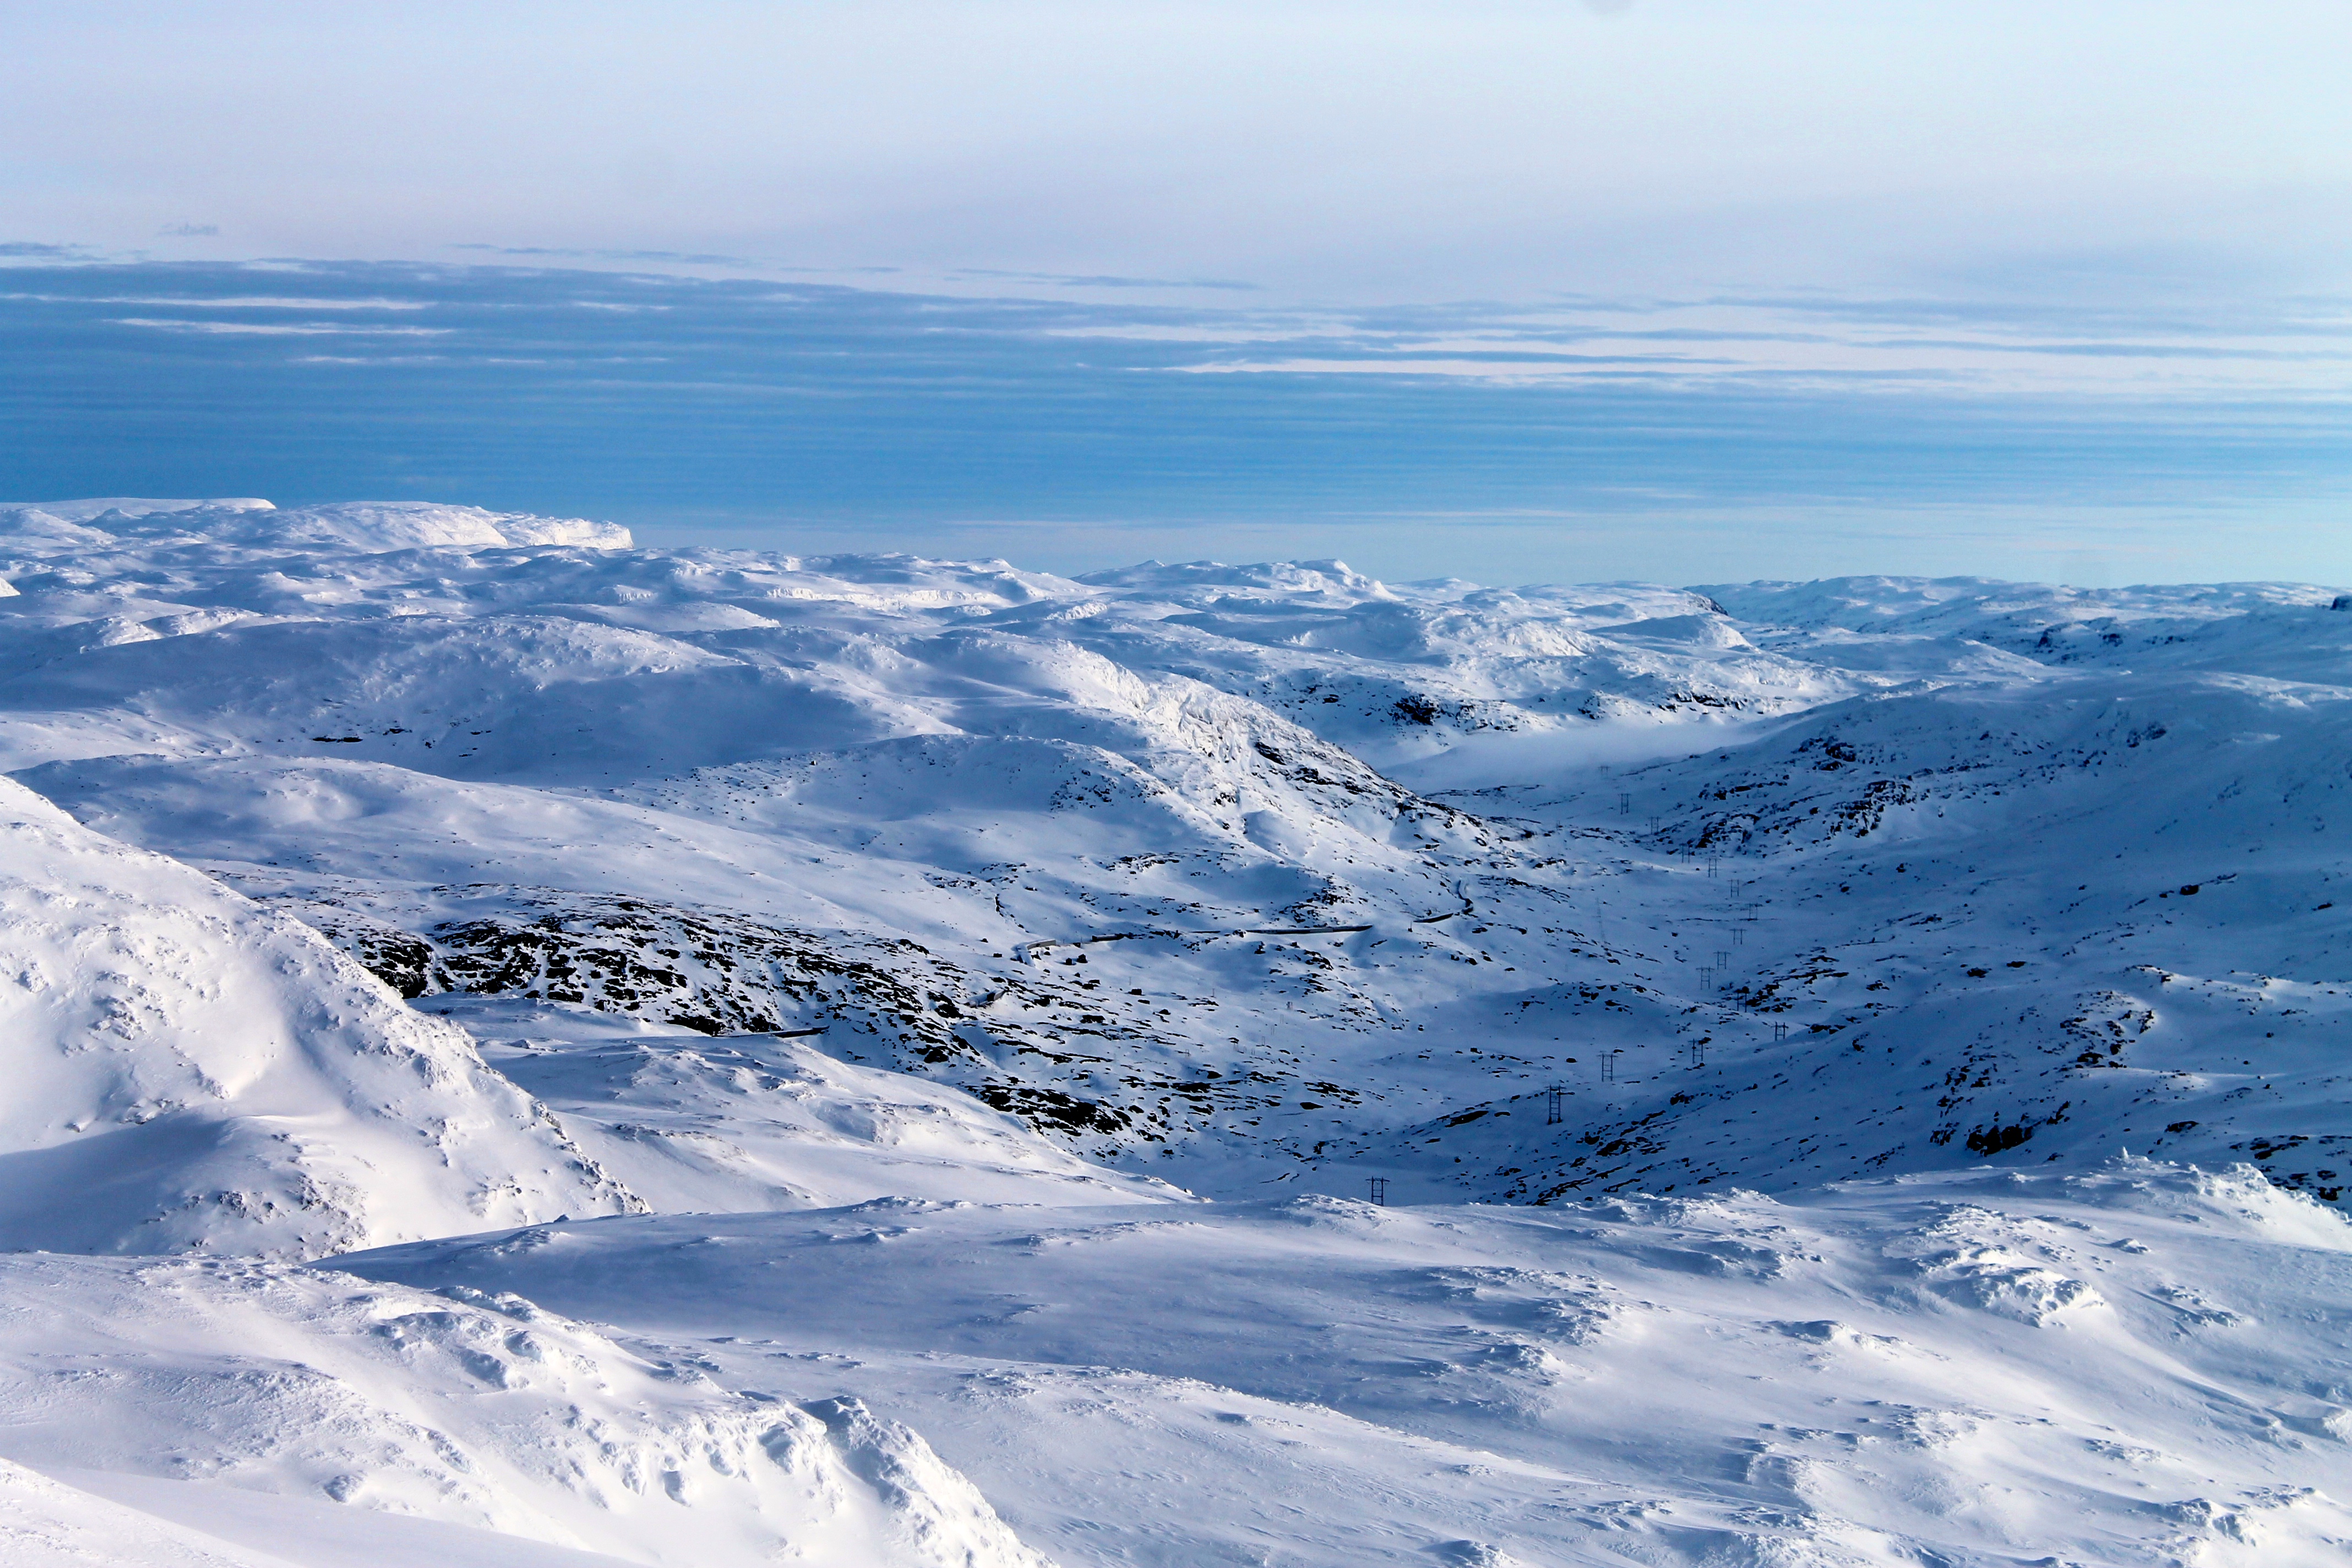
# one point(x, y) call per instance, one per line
point(259, 1402)
point(2133, 1366)
point(728, 882)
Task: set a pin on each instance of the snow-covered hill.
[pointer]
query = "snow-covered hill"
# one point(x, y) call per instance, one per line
point(387, 872)
point(187, 1070)
point(1086, 850)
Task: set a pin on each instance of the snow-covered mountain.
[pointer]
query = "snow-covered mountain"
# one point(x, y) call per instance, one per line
point(389, 873)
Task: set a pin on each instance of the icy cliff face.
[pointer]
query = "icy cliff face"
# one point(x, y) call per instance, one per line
point(381, 874)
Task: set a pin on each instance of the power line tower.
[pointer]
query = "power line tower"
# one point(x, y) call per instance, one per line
point(1379, 1185)
point(1552, 1107)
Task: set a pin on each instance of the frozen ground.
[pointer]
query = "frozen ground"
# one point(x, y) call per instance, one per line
point(2131, 1364)
point(984, 998)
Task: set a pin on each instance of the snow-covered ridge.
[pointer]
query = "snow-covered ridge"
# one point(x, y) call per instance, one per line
point(358, 526)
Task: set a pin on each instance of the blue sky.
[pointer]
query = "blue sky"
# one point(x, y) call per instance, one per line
point(1511, 290)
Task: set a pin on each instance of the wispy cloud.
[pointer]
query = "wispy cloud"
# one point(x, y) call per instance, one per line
point(221, 302)
point(277, 329)
point(663, 260)
point(1105, 280)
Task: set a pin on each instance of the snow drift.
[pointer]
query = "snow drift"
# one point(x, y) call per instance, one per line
point(269, 1405)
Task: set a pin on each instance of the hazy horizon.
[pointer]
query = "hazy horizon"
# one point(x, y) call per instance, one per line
point(1510, 290)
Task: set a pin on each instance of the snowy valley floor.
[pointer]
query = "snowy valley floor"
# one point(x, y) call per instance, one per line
point(527, 1050)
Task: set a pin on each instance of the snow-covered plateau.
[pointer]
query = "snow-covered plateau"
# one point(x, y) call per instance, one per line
point(526, 1050)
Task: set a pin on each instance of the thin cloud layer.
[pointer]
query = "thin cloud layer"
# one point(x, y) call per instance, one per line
point(1586, 438)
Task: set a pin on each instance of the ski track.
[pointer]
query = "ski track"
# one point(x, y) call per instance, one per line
point(527, 1049)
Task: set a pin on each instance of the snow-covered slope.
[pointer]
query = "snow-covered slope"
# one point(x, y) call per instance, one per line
point(303, 1412)
point(2130, 1365)
point(1071, 847)
point(1975, 923)
point(187, 1070)
point(757, 1121)
point(724, 882)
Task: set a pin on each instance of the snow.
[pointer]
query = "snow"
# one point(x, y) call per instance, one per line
point(755, 1121)
point(2117, 1365)
point(189, 1071)
point(359, 526)
point(950, 1016)
point(231, 1380)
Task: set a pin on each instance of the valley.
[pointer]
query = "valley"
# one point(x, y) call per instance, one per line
point(1199, 1003)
